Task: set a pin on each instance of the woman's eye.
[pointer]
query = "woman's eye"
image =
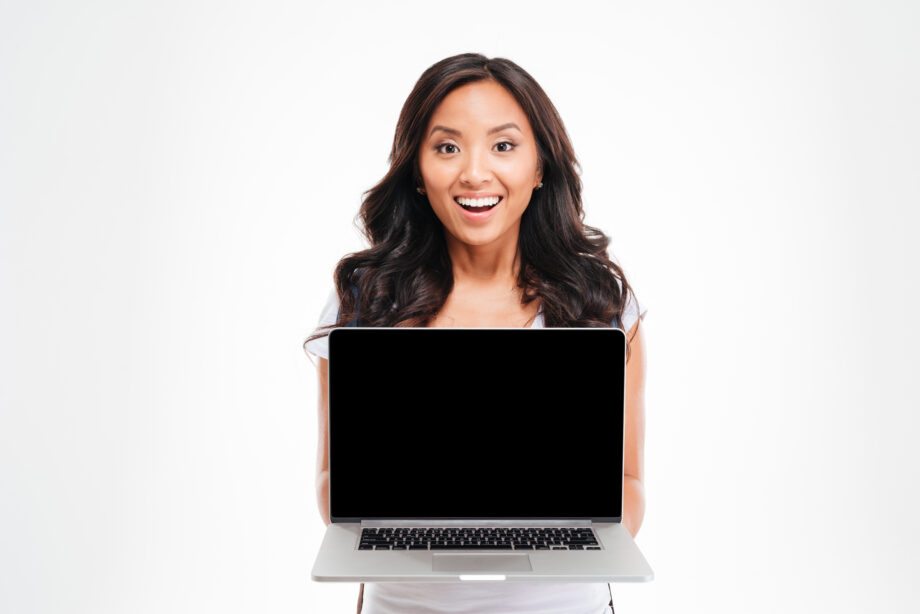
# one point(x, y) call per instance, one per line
point(508, 143)
point(440, 148)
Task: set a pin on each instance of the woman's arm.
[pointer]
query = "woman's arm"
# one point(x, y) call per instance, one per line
point(322, 452)
point(634, 462)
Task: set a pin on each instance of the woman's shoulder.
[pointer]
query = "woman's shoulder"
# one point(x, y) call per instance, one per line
point(633, 311)
point(328, 316)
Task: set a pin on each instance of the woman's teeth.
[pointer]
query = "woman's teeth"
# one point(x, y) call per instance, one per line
point(478, 203)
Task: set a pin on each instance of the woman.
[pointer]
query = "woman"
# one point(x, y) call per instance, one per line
point(478, 223)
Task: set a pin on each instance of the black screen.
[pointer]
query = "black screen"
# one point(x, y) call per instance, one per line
point(476, 423)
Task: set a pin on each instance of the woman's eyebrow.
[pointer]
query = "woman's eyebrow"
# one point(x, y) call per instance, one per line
point(491, 131)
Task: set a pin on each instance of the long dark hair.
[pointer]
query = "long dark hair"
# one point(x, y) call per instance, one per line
point(405, 276)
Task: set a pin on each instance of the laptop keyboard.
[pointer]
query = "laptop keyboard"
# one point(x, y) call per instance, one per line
point(478, 538)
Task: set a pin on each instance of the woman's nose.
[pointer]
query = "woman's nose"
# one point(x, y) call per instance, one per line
point(477, 169)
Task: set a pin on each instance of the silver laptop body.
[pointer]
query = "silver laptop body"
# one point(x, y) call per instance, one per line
point(461, 455)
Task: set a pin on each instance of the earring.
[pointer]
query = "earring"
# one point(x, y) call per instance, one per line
point(540, 186)
point(420, 190)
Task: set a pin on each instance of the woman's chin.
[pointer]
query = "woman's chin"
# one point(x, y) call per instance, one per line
point(483, 237)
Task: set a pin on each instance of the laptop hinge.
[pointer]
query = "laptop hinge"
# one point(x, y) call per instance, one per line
point(476, 523)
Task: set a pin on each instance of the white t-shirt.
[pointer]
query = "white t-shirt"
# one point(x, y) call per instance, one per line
point(330, 314)
point(486, 598)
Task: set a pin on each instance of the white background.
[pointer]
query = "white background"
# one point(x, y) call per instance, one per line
point(178, 180)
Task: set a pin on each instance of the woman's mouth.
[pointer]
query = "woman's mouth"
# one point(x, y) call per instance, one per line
point(478, 205)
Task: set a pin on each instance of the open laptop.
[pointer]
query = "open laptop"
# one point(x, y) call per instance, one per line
point(462, 454)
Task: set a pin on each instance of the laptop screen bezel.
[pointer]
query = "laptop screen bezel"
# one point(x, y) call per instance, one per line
point(336, 333)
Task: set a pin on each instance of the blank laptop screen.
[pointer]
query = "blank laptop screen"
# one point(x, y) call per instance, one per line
point(431, 423)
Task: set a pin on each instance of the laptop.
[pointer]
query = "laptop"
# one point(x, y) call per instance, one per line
point(471, 455)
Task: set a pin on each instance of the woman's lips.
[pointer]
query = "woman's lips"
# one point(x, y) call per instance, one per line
point(477, 212)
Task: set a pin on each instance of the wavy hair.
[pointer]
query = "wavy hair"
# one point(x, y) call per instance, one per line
point(405, 276)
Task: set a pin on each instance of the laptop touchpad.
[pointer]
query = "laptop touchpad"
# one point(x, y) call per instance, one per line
point(478, 562)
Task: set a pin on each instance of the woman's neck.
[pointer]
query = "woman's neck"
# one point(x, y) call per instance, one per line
point(492, 264)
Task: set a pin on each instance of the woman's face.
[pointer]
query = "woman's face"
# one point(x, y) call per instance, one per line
point(478, 149)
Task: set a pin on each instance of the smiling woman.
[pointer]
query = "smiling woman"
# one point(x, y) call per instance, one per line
point(429, 248)
point(478, 223)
